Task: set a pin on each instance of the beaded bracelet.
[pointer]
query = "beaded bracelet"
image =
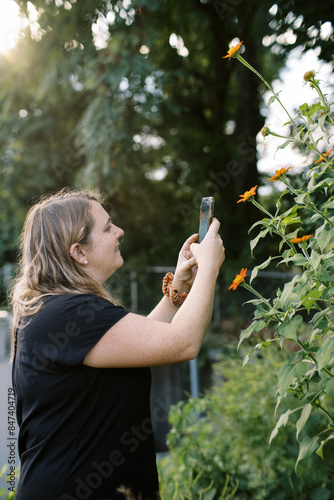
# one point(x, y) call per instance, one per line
point(176, 298)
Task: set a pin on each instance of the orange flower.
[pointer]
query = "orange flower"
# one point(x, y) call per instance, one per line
point(302, 239)
point(238, 279)
point(278, 174)
point(233, 50)
point(247, 194)
point(325, 155)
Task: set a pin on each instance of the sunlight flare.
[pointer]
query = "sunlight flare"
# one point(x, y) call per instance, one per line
point(10, 24)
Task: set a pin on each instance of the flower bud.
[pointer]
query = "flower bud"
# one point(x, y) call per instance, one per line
point(265, 131)
point(309, 75)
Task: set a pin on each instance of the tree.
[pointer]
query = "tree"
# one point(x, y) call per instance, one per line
point(157, 102)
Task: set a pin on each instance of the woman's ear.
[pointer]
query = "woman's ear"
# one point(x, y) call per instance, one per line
point(78, 254)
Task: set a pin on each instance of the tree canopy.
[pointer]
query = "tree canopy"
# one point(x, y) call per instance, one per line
point(133, 98)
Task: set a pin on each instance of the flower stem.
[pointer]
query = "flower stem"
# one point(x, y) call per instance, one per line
point(303, 249)
point(288, 185)
point(257, 294)
point(321, 408)
point(316, 86)
point(260, 207)
point(245, 63)
point(276, 228)
point(282, 136)
point(310, 355)
point(322, 215)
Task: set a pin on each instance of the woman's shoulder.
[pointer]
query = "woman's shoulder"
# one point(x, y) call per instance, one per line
point(72, 298)
point(75, 301)
point(76, 308)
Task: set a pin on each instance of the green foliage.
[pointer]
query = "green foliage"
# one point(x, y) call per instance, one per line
point(219, 444)
point(126, 111)
point(298, 21)
point(302, 313)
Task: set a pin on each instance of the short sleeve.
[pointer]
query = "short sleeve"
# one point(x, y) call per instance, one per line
point(68, 326)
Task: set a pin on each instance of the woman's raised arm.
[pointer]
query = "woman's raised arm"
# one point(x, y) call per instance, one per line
point(139, 341)
point(184, 276)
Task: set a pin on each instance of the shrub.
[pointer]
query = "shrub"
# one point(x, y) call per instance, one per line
point(219, 444)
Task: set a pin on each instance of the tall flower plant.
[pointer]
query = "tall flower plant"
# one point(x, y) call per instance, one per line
point(302, 313)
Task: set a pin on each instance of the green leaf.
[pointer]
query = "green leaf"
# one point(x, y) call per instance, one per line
point(300, 199)
point(262, 222)
point(210, 494)
point(329, 204)
point(328, 293)
point(297, 259)
point(311, 298)
point(282, 421)
point(291, 219)
point(256, 326)
point(265, 343)
point(315, 259)
point(329, 258)
point(328, 386)
point(255, 241)
point(306, 447)
point(289, 329)
point(285, 144)
point(288, 372)
point(322, 120)
point(319, 230)
point(291, 212)
point(287, 253)
point(322, 444)
point(320, 319)
point(306, 412)
point(321, 185)
point(325, 238)
point(271, 100)
point(256, 302)
point(258, 268)
point(326, 353)
point(288, 297)
point(315, 217)
point(324, 276)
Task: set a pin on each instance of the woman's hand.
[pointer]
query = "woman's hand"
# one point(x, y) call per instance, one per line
point(186, 267)
point(210, 252)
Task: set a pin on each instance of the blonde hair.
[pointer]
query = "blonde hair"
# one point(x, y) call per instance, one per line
point(45, 266)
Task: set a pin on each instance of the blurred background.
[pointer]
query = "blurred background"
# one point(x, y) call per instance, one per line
point(133, 98)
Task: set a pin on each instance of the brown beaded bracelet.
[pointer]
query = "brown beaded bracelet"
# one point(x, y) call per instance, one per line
point(176, 298)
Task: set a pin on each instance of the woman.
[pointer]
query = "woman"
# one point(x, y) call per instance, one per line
point(81, 363)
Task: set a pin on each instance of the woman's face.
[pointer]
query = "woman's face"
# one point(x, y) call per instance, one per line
point(103, 254)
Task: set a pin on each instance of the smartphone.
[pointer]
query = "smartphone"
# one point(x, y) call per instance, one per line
point(205, 216)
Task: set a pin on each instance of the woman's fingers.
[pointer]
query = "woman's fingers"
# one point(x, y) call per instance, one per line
point(214, 226)
point(188, 242)
point(188, 264)
point(193, 247)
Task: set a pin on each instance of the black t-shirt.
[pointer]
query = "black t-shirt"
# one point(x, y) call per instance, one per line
point(84, 431)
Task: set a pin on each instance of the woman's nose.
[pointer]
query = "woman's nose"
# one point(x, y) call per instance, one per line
point(119, 232)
